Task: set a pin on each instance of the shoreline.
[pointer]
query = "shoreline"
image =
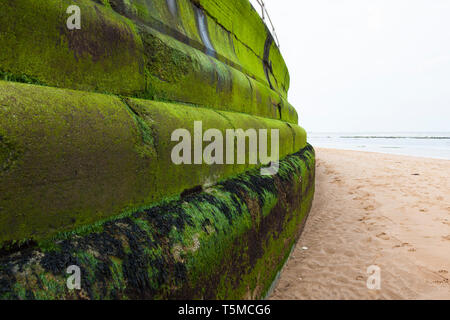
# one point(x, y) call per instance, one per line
point(373, 209)
point(386, 152)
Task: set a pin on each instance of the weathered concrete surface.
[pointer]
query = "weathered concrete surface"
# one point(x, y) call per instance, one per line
point(86, 176)
point(228, 242)
point(71, 158)
point(152, 49)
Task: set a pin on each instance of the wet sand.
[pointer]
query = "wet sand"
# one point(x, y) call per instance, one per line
point(373, 209)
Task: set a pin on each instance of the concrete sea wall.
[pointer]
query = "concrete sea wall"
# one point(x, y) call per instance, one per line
point(86, 170)
point(141, 48)
point(71, 158)
point(228, 242)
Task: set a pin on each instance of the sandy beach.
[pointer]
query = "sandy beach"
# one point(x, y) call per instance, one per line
point(373, 209)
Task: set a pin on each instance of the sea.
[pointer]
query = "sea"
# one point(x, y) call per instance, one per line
point(419, 144)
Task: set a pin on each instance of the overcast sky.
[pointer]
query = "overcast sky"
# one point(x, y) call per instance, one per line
point(367, 65)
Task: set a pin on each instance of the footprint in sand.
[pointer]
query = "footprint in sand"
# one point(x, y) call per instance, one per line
point(369, 208)
point(406, 244)
point(383, 236)
point(445, 281)
point(363, 219)
point(443, 271)
point(412, 250)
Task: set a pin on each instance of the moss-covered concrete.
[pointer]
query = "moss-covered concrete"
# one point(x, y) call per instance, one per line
point(153, 49)
point(227, 242)
point(179, 72)
point(105, 55)
point(86, 175)
point(253, 34)
point(71, 158)
point(234, 29)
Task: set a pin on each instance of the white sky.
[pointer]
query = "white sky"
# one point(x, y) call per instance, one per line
point(367, 65)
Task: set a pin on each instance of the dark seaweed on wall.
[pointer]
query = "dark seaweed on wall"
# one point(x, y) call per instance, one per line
point(226, 242)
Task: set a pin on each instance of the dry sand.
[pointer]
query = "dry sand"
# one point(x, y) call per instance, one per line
point(373, 209)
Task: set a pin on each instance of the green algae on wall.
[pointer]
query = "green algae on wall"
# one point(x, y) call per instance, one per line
point(103, 56)
point(227, 242)
point(67, 148)
point(252, 34)
point(72, 158)
point(112, 54)
point(178, 72)
point(235, 34)
point(87, 178)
